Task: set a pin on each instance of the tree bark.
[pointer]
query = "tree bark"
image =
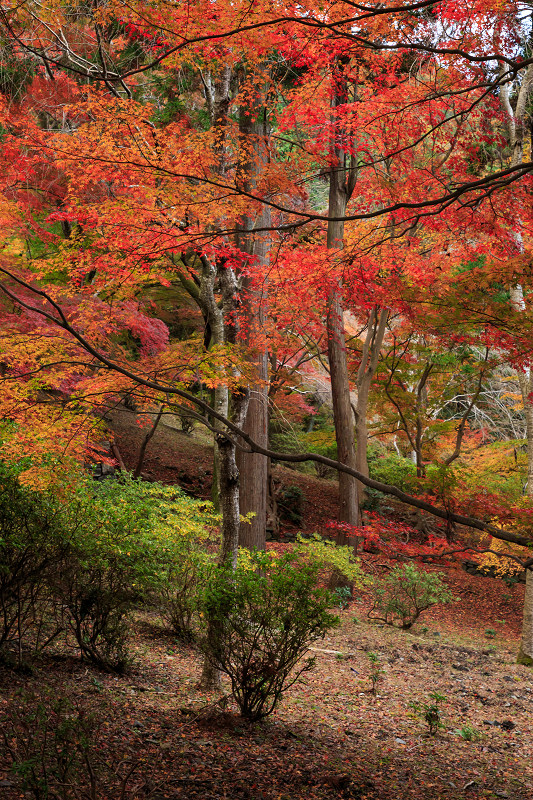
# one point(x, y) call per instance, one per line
point(525, 654)
point(516, 126)
point(525, 380)
point(221, 319)
point(253, 467)
point(342, 411)
point(377, 325)
point(229, 494)
point(341, 184)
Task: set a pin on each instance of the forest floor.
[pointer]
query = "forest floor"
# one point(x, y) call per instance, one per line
point(331, 737)
point(156, 735)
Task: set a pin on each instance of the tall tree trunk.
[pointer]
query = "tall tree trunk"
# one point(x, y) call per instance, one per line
point(229, 501)
point(342, 411)
point(525, 380)
point(525, 654)
point(341, 184)
point(218, 93)
point(222, 325)
point(253, 467)
point(230, 484)
point(516, 127)
point(377, 325)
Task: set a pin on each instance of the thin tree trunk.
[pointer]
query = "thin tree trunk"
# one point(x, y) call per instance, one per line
point(525, 652)
point(118, 456)
point(218, 92)
point(525, 380)
point(221, 319)
point(342, 412)
point(229, 492)
point(341, 184)
point(377, 325)
point(229, 500)
point(230, 484)
point(142, 452)
point(253, 469)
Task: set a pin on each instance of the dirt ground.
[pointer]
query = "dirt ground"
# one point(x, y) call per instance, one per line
point(331, 736)
point(156, 735)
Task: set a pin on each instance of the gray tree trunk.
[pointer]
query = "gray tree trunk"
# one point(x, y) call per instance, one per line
point(341, 184)
point(377, 325)
point(525, 654)
point(516, 127)
point(253, 467)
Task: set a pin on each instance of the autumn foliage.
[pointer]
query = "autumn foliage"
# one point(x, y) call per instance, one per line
point(165, 202)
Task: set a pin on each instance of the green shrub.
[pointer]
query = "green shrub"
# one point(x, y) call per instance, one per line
point(373, 500)
point(80, 566)
point(468, 733)
point(111, 563)
point(263, 617)
point(49, 746)
point(376, 672)
point(286, 440)
point(187, 547)
point(394, 470)
point(430, 712)
point(337, 560)
point(180, 592)
point(405, 593)
point(135, 546)
point(32, 546)
point(99, 600)
point(320, 440)
point(343, 595)
point(54, 751)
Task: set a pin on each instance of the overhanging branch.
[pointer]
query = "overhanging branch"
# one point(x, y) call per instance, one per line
point(242, 439)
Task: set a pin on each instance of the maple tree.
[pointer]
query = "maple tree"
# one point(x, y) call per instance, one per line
point(152, 147)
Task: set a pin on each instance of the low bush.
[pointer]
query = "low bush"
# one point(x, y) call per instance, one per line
point(374, 500)
point(50, 746)
point(137, 549)
point(468, 733)
point(188, 570)
point(393, 470)
point(338, 562)
point(319, 439)
point(180, 594)
point(322, 441)
point(430, 712)
point(263, 617)
point(32, 545)
point(376, 672)
point(80, 566)
point(405, 593)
